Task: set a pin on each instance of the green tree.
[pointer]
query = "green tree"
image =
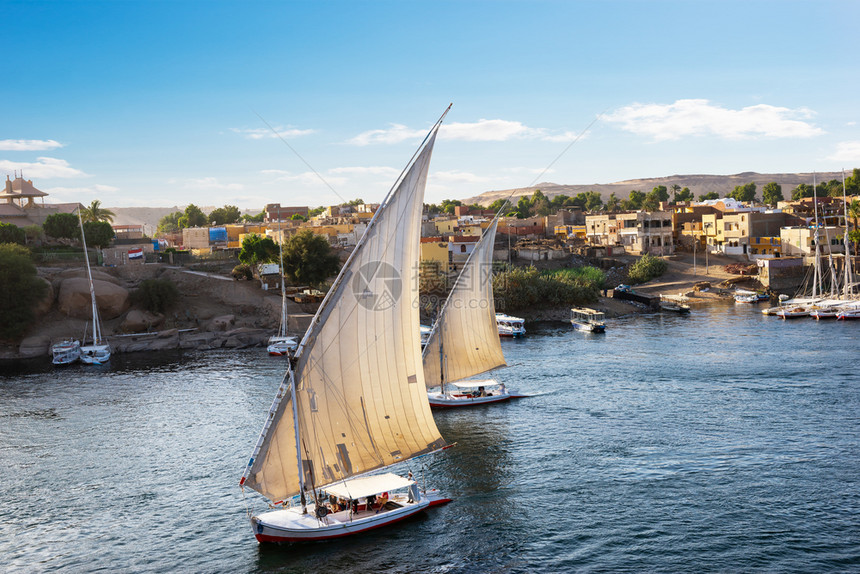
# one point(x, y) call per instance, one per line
point(11, 233)
point(593, 201)
point(709, 195)
point(771, 193)
point(542, 207)
point(854, 214)
point(448, 205)
point(675, 190)
point(224, 215)
point(613, 203)
point(660, 193)
point(257, 249)
point(20, 290)
point(169, 223)
point(95, 212)
point(634, 201)
point(315, 211)
point(298, 217)
point(524, 206)
point(801, 191)
point(852, 183)
point(502, 205)
point(745, 193)
point(685, 195)
point(98, 233)
point(192, 217)
point(62, 226)
point(254, 218)
point(309, 259)
point(34, 233)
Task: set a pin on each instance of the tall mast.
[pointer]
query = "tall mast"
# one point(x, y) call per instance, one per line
point(848, 279)
point(96, 327)
point(816, 273)
point(282, 332)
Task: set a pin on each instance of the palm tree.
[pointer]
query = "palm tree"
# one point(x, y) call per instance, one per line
point(854, 214)
point(675, 189)
point(95, 212)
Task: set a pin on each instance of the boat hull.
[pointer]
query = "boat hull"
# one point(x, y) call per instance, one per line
point(95, 355)
point(289, 525)
point(440, 401)
point(589, 327)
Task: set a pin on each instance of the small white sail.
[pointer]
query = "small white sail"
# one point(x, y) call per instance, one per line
point(360, 398)
point(466, 327)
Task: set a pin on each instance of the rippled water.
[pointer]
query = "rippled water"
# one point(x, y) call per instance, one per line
point(722, 441)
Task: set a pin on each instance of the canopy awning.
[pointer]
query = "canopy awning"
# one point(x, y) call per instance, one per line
point(355, 488)
point(475, 384)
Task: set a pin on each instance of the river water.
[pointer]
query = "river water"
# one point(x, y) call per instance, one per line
point(721, 441)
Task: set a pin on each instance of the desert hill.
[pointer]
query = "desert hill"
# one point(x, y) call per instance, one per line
point(698, 184)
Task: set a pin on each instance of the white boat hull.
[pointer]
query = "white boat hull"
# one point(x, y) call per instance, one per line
point(290, 525)
point(454, 400)
point(66, 353)
point(95, 354)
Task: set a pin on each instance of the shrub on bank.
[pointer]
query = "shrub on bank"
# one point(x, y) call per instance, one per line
point(20, 290)
point(647, 268)
point(156, 295)
point(522, 288)
point(242, 271)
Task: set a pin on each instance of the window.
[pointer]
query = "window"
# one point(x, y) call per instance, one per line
point(462, 249)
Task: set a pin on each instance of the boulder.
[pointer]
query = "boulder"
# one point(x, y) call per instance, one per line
point(82, 273)
point(74, 298)
point(221, 323)
point(36, 346)
point(137, 321)
point(45, 304)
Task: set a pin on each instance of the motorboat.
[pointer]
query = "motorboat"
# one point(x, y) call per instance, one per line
point(509, 326)
point(66, 352)
point(585, 319)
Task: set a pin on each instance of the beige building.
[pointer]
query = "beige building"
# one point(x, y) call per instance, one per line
point(644, 232)
point(18, 204)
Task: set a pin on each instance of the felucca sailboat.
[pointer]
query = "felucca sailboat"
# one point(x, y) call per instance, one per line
point(464, 341)
point(98, 352)
point(282, 344)
point(353, 400)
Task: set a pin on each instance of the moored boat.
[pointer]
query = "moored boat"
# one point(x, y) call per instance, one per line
point(98, 352)
point(585, 319)
point(65, 352)
point(509, 326)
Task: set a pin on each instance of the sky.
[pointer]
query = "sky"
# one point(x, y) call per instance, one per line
point(245, 103)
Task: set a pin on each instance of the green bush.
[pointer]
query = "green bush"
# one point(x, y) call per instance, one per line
point(522, 288)
point(647, 268)
point(156, 295)
point(242, 271)
point(11, 233)
point(20, 290)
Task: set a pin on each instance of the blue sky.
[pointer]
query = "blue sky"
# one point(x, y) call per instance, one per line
point(169, 103)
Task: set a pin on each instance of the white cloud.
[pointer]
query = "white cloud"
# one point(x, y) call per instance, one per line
point(28, 145)
point(700, 117)
point(457, 177)
point(396, 133)
point(43, 168)
point(489, 130)
point(848, 152)
point(81, 194)
point(207, 184)
point(370, 170)
point(263, 133)
point(482, 130)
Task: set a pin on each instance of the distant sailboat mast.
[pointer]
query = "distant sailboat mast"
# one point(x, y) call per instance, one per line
point(816, 272)
point(282, 332)
point(847, 288)
point(97, 331)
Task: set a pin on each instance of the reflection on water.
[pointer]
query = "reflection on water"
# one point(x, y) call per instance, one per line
point(722, 440)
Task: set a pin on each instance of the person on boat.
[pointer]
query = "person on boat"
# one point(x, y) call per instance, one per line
point(383, 500)
point(414, 494)
point(482, 392)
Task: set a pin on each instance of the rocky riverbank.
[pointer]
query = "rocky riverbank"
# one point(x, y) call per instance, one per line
point(213, 311)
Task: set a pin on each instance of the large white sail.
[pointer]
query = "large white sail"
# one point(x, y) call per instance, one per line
point(466, 326)
point(359, 390)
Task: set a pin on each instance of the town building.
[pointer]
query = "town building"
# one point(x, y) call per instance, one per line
point(19, 207)
point(643, 232)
